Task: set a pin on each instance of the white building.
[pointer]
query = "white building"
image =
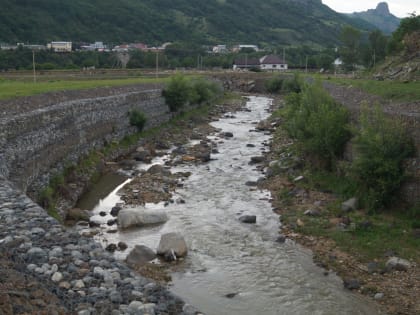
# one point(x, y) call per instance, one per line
point(60, 46)
point(272, 63)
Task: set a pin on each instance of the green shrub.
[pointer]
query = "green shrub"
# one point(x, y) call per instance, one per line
point(177, 93)
point(381, 146)
point(137, 119)
point(294, 85)
point(204, 91)
point(318, 123)
point(274, 85)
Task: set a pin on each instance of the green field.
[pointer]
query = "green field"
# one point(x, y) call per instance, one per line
point(17, 88)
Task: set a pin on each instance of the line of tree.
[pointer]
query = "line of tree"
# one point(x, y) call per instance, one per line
point(356, 48)
point(368, 50)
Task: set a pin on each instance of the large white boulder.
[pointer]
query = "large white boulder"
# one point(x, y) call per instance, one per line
point(172, 244)
point(130, 217)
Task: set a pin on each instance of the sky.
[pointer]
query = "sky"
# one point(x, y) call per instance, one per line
point(399, 8)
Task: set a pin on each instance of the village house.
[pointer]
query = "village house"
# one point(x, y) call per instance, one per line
point(266, 63)
point(272, 63)
point(60, 46)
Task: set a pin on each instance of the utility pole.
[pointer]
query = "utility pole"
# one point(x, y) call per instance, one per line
point(33, 64)
point(374, 58)
point(306, 65)
point(157, 65)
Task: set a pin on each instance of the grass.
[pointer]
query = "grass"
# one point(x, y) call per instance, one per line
point(392, 90)
point(369, 236)
point(13, 88)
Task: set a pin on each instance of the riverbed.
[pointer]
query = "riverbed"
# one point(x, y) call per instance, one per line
point(233, 267)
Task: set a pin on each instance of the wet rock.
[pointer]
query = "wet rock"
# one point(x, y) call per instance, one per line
point(396, 263)
point(122, 246)
point(231, 295)
point(102, 213)
point(159, 169)
point(250, 145)
point(111, 248)
point(111, 222)
point(248, 219)
point(349, 205)
point(127, 164)
point(228, 134)
point(77, 214)
point(251, 183)
point(257, 159)
point(351, 284)
point(140, 255)
point(93, 224)
point(172, 242)
point(281, 239)
point(139, 217)
point(115, 210)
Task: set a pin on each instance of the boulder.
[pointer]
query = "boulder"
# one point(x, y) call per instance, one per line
point(158, 169)
point(351, 284)
point(396, 263)
point(77, 214)
point(172, 243)
point(131, 217)
point(248, 219)
point(349, 205)
point(140, 255)
point(115, 210)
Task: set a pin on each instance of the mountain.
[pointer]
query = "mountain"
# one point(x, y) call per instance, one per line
point(380, 17)
point(267, 23)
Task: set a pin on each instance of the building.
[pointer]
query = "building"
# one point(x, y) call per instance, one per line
point(60, 46)
point(272, 63)
point(266, 63)
point(238, 48)
point(246, 63)
point(99, 46)
point(220, 49)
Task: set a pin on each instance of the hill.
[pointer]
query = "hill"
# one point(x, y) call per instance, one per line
point(267, 23)
point(379, 17)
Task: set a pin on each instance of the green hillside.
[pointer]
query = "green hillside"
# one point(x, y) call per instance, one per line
point(270, 22)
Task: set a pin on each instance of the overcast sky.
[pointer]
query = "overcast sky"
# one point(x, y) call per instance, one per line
point(400, 8)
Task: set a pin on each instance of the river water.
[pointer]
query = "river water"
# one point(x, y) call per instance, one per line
point(227, 256)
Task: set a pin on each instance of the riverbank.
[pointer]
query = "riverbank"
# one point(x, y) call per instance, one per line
point(356, 246)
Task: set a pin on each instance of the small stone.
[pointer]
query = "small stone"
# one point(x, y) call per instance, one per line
point(231, 295)
point(378, 296)
point(372, 267)
point(79, 284)
point(57, 277)
point(351, 284)
point(84, 312)
point(349, 205)
point(298, 179)
point(312, 213)
point(64, 285)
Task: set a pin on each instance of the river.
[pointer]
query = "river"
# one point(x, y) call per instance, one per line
point(227, 257)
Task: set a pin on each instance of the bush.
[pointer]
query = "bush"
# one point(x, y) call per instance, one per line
point(137, 119)
point(320, 124)
point(177, 93)
point(294, 85)
point(381, 146)
point(204, 91)
point(274, 85)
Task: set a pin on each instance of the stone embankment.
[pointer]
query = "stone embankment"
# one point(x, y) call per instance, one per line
point(60, 271)
point(40, 136)
point(47, 268)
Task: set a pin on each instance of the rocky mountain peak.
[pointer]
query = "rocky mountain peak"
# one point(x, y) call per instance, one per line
point(382, 9)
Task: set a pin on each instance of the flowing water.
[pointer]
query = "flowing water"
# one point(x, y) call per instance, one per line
point(230, 257)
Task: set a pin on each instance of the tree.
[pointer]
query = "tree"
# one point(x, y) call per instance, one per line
point(350, 38)
point(407, 27)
